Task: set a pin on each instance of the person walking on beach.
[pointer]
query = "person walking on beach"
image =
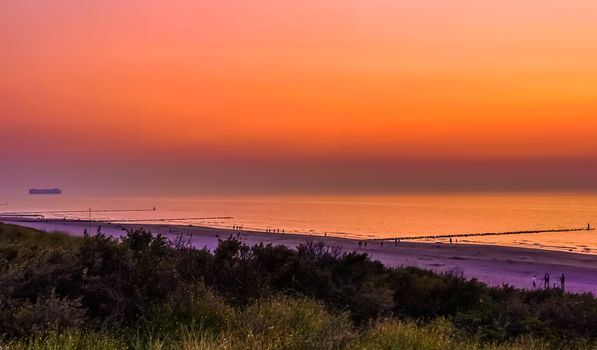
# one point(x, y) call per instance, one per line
point(534, 281)
point(562, 282)
point(546, 281)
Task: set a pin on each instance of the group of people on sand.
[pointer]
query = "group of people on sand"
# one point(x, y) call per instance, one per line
point(364, 243)
point(546, 278)
point(268, 230)
point(274, 230)
point(396, 241)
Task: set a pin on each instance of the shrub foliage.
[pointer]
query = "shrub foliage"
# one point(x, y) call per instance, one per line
point(147, 289)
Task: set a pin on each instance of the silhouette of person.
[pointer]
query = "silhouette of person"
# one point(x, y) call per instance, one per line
point(534, 281)
point(562, 282)
point(546, 281)
point(360, 244)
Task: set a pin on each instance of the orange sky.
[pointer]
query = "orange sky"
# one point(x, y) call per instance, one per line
point(310, 79)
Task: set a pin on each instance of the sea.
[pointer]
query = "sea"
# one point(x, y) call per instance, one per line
point(357, 217)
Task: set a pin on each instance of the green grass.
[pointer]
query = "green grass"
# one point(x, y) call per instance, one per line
point(388, 335)
point(68, 340)
point(438, 335)
point(13, 234)
point(277, 323)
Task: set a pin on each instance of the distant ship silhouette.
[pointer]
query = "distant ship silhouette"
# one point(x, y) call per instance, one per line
point(45, 191)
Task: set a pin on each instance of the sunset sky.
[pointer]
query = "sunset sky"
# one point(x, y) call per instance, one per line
point(299, 96)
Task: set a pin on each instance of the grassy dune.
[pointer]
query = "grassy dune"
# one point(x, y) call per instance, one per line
point(143, 292)
point(279, 323)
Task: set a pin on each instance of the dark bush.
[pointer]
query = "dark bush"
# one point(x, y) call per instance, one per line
point(52, 282)
point(47, 313)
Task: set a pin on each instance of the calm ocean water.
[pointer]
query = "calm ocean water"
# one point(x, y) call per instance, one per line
point(358, 216)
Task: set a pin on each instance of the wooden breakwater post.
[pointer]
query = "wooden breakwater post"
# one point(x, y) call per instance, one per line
point(457, 235)
point(77, 211)
point(169, 219)
point(40, 214)
point(38, 217)
point(17, 213)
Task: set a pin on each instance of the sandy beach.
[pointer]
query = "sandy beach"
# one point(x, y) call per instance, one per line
point(494, 265)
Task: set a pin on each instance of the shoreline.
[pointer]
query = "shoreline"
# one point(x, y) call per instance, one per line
point(492, 264)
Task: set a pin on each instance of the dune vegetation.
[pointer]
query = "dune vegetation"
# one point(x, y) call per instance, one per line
point(145, 292)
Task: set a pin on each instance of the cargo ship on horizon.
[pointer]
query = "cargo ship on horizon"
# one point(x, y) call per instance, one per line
point(45, 191)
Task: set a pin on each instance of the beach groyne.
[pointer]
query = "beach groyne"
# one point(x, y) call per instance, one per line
point(458, 235)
